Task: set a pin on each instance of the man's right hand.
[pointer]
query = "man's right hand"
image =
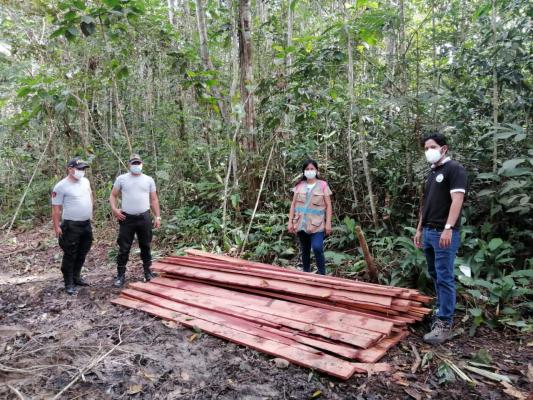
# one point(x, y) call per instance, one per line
point(117, 212)
point(58, 231)
point(417, 239)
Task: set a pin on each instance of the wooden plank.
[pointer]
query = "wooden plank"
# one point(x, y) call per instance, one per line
point(376, 352)
point(246, 263)
point(354, 336)
point(230, 321)
point(321, 362)
point(325, 279)
point(332, 317)
point(280, 274)
point(318, 303)
point(339, 281)
point(336, 348)
point(273, 284)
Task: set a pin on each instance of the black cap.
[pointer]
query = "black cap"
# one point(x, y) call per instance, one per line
point(135, 157)
point(78, 163)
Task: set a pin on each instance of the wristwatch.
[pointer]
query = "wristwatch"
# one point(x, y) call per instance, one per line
point(158, 218)
point(448, 226)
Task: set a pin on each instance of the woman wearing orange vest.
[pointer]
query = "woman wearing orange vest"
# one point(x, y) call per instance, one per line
point(310, 215)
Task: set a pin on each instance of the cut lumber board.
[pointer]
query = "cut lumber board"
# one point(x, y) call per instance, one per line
point(195, 313)
point(340, 281)
point(353, 336)
point(376, 352)
point(332, 318)
point(337, 348)
point(280, 274)
point(316, 303)
point(321, 362)
point(274, 284)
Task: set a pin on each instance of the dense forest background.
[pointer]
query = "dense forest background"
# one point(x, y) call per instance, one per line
point(225, 98)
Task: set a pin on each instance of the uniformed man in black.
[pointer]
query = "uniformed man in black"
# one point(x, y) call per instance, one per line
point(438, 230)
point(139, 195)
point(72, 202)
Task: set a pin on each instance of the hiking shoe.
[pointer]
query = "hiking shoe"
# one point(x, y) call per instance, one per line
point(119, 281)
point(441, 331)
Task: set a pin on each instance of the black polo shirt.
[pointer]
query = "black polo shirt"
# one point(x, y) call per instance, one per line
point(442, 180)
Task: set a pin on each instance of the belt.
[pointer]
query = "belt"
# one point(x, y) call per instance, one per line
point(434, 226)
point(81, 223)
point(136, 215)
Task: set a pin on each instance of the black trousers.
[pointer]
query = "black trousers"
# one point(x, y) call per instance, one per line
point(76, 241)
point(140, 225)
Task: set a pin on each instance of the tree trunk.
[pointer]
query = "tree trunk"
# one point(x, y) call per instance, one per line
point(204, 54)
point(288, 63)
point(351, 96)
point(402, 49)
point(495, 94)
point(171, 8)
point(434, 62)
point(233, 91)
point(246, 70)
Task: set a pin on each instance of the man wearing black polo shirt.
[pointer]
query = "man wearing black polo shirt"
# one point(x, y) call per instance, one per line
point(438, 230)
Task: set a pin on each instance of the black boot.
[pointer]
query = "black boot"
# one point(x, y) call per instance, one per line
point(148, 274)
point(121, 277)
point(78, 280)
point(69, 284)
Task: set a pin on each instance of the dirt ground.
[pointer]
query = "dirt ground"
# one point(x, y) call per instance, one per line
point(83, 347)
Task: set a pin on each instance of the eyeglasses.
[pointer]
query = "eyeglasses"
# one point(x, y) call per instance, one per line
point(136, 163)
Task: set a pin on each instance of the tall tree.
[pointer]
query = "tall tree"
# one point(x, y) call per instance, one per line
point(204, 54)
point(246, 74)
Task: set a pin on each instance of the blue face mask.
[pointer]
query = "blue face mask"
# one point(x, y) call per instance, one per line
point(136, 169)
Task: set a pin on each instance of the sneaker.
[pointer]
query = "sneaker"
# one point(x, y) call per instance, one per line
point(441, 331)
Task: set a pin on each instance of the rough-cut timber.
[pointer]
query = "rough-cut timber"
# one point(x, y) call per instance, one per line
point(318, 322)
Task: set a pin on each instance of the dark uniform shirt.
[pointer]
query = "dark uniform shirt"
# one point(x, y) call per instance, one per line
point(442, 181)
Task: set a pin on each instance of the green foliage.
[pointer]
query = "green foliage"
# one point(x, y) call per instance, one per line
point(501, 300)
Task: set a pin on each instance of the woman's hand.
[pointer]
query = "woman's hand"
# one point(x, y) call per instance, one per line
point(291, 228)
point(328, 228)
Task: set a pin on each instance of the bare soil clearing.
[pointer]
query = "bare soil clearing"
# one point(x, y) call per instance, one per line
point(48, 339)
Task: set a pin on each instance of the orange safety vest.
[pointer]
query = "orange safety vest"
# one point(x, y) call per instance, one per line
point(310, 207)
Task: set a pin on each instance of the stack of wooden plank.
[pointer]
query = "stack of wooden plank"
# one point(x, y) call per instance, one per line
point(320, 322)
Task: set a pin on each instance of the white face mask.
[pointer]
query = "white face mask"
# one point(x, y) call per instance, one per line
point(311, 174)
point(136, 169)
point(433, 155)
point(78, 174)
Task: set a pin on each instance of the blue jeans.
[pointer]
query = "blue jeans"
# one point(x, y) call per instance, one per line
point(313, 241)
point(440, 267)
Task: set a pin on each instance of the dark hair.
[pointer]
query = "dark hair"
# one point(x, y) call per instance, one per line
point(304, 166)
point(439, 138)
